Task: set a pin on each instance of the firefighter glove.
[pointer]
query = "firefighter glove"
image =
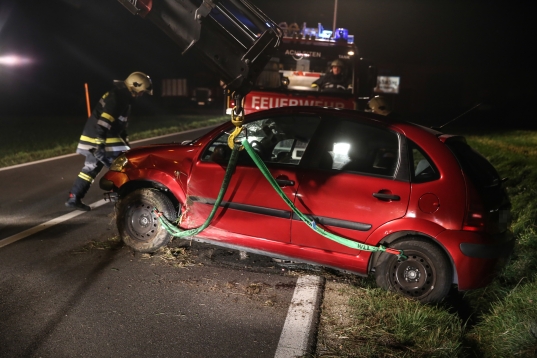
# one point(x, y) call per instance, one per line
point(100, 154)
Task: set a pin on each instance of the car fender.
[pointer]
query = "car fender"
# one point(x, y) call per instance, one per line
point(394, 229)
point(160, 180)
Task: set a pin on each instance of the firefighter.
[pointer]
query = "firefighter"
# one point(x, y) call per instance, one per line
point(335, 80)
point(379, 105)
point(105, 134)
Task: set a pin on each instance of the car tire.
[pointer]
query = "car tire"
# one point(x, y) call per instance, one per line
point(138, 226)
point(426, 275)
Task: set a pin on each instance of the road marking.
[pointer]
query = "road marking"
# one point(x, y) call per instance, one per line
point(298, 330)
point(46, 225)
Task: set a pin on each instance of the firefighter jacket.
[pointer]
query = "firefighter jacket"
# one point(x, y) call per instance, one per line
point(333, 82)
point(108, 122)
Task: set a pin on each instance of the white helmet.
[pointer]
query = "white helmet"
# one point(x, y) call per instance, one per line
point(379, 105)
point(139, 83)
point(337, 63)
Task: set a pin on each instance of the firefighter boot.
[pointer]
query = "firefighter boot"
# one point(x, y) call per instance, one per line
point(75, 203)
point(78, 191)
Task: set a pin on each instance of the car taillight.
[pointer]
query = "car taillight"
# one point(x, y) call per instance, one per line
point(475, 211)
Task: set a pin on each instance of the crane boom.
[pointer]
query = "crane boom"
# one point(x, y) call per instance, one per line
point(233, 38)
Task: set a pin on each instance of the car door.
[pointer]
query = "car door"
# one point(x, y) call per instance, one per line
point(353, 183)
point(251, 206)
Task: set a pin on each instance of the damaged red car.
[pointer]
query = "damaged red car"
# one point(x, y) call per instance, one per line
point(368, 178)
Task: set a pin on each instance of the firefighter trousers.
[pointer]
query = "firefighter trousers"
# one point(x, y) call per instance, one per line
point(92, 168)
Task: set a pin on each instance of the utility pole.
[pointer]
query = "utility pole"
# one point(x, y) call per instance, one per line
point(334, 22)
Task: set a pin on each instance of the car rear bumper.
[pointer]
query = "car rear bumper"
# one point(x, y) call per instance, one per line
point(477, 257)
point(490, 251)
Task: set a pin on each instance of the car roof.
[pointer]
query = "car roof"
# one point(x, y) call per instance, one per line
point(329, 111)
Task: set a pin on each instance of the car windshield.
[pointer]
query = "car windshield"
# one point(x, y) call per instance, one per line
point(276, 140)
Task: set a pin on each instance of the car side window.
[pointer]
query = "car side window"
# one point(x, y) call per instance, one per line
point(360, 148)
point(423, 168)
point(275, 140)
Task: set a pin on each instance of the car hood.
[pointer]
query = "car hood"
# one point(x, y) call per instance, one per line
point(163, 157)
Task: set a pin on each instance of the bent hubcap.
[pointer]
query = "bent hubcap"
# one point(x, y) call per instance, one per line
point(413, 277)
point(142, 222)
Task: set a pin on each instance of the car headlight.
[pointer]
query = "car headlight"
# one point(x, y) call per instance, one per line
point(119, 163)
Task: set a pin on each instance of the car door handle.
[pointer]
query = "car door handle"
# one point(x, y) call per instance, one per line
point(285, 182)
point(386, 196)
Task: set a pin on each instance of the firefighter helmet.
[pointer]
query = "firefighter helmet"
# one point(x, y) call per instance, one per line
point(337, 63)
point(139, 83)
point(379, 105)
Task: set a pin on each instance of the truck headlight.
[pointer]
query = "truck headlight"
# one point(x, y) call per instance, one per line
point(119, 163)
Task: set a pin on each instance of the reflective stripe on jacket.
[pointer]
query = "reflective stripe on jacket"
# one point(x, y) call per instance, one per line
point(108, 121)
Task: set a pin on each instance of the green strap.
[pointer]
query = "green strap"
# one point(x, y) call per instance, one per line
point(310, 222)
point(178, 232)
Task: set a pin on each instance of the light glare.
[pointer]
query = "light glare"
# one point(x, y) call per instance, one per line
point(13, 60)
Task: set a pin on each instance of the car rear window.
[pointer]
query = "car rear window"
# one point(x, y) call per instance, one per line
point(480, 172)
point(477, 167)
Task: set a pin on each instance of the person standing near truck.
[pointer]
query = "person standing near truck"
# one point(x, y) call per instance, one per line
point(335, 80)
point(105, 134)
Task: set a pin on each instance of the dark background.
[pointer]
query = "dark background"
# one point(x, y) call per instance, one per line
point(487, 46)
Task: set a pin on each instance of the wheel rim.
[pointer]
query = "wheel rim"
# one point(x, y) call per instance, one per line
point(413, 277)
point(142, 222)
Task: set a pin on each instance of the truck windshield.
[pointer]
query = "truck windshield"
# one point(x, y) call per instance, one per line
point(297, 66)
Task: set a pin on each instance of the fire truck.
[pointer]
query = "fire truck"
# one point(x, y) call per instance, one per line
point(304, 56)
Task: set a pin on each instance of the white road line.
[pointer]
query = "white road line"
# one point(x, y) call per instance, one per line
point(46, 225)
point(298, 330)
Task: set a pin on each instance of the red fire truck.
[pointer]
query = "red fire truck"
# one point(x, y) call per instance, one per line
point(305, 55)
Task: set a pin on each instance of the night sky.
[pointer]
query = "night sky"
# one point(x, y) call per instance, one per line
point(71, 42)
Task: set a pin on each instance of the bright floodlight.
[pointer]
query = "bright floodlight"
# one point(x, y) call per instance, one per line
point(13, 60)
point(341, 148)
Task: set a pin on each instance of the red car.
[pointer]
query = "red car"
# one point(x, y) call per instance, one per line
point(372, 179)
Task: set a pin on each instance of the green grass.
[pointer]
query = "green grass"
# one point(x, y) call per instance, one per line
point(33, 138)
point(372, 322)
point(497, 321)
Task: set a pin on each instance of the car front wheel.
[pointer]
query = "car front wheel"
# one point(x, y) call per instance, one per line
point(426, 275)
point(138, 226)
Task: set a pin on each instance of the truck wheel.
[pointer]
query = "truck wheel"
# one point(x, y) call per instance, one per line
point(138, 225)
point(426, 275)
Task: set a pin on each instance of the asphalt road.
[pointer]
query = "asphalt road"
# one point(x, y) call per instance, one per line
point(73, 290)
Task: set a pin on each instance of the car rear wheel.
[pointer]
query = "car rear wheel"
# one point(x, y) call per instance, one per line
point(138, 225)
point(425, 276)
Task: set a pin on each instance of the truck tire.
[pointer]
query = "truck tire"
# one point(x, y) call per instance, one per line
point(426, 275)
point(138, 226)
